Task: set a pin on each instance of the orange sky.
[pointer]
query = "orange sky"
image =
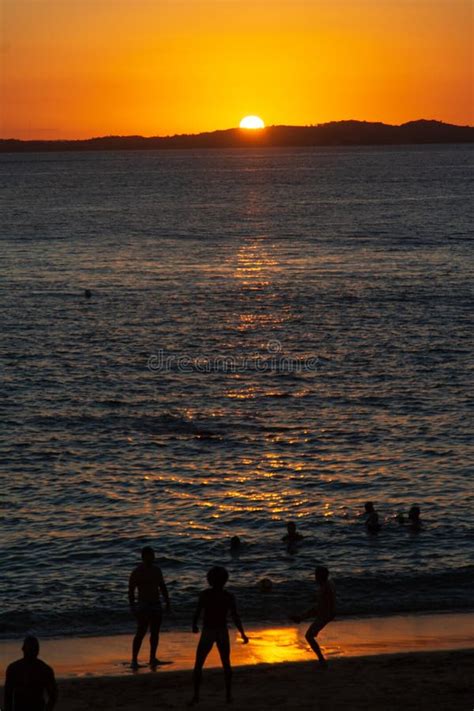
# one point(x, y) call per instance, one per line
point(79, 68)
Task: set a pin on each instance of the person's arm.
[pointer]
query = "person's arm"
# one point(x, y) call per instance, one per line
point(132, 584)
point(164, 590)
point(52, 691)
point(8, 690)
point(197, 614)
point(237, 621)
point(310, 612)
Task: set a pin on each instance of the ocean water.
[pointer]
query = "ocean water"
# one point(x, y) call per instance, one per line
point(272, 335)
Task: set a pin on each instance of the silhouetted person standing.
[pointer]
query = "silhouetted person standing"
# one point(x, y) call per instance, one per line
point(216, 604)
point(29, 683)
point(147, 578)
point(324, 611)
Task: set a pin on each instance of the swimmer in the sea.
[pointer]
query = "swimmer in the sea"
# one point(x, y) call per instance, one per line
point(372, 518)
point(235, 545)
point(323, 612)
point(28, 680)
point(147, 578)
point(414, 518)
point(292, 536)
point(216, 604)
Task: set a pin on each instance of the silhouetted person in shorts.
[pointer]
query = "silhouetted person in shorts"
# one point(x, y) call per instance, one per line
point(372, 518)
point(147, 578)
point(414, 518)
point(29, 683)
point(216, 604)
point(323, 612)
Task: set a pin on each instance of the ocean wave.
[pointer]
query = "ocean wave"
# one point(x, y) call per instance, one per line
point(365, 594)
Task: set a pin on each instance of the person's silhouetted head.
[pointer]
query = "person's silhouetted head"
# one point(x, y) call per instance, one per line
point(217, 577)
point(321, 573)
point(369, 507)
point(265, 585)
point(291, 527)
point(87, 293)
point(414, 513)
point(148, 555)
point(30, 647)
point(234, 543)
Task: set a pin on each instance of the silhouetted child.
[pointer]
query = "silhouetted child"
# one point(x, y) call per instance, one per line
point(414, 518)
point(29, 680)
point(216, 604)
point(323, 612)
point(292, 536)
point(372, 518)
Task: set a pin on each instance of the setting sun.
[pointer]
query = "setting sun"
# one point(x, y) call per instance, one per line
point(252, 122)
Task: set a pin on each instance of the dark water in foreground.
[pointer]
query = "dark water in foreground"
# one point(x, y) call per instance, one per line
point(354, 265)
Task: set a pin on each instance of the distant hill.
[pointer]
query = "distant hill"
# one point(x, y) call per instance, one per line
point(335, 133)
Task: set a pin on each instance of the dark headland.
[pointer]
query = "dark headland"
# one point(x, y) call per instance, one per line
point(335, 133)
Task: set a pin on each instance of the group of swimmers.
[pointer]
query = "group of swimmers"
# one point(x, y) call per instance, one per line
point(373, 524)
point(29, 680)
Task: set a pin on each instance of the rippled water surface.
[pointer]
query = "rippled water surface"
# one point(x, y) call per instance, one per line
point(357, 260)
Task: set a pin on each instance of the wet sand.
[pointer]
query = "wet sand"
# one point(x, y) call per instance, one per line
point(110, 656)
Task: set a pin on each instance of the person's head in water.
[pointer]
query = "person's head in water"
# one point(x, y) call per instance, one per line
point(30, 647)
point(148, 555)
point(291, 528)
point(217, 577)
point(321, 574)
point(369, 507)
point(414, 514)
point(234, 543)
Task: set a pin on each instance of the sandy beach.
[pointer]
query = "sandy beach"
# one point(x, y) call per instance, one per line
point(375, 663)
point(421, 681)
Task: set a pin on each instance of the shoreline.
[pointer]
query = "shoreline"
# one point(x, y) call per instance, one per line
point(80, 657)
point(333, 133)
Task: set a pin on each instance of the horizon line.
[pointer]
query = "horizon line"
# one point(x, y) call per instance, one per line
point(245, 131)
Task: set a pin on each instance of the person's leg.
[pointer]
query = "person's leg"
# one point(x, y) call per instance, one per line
point(223, 645)
point(311, 634)
point(204, 647)
point(155, 625)
point(142, 626)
